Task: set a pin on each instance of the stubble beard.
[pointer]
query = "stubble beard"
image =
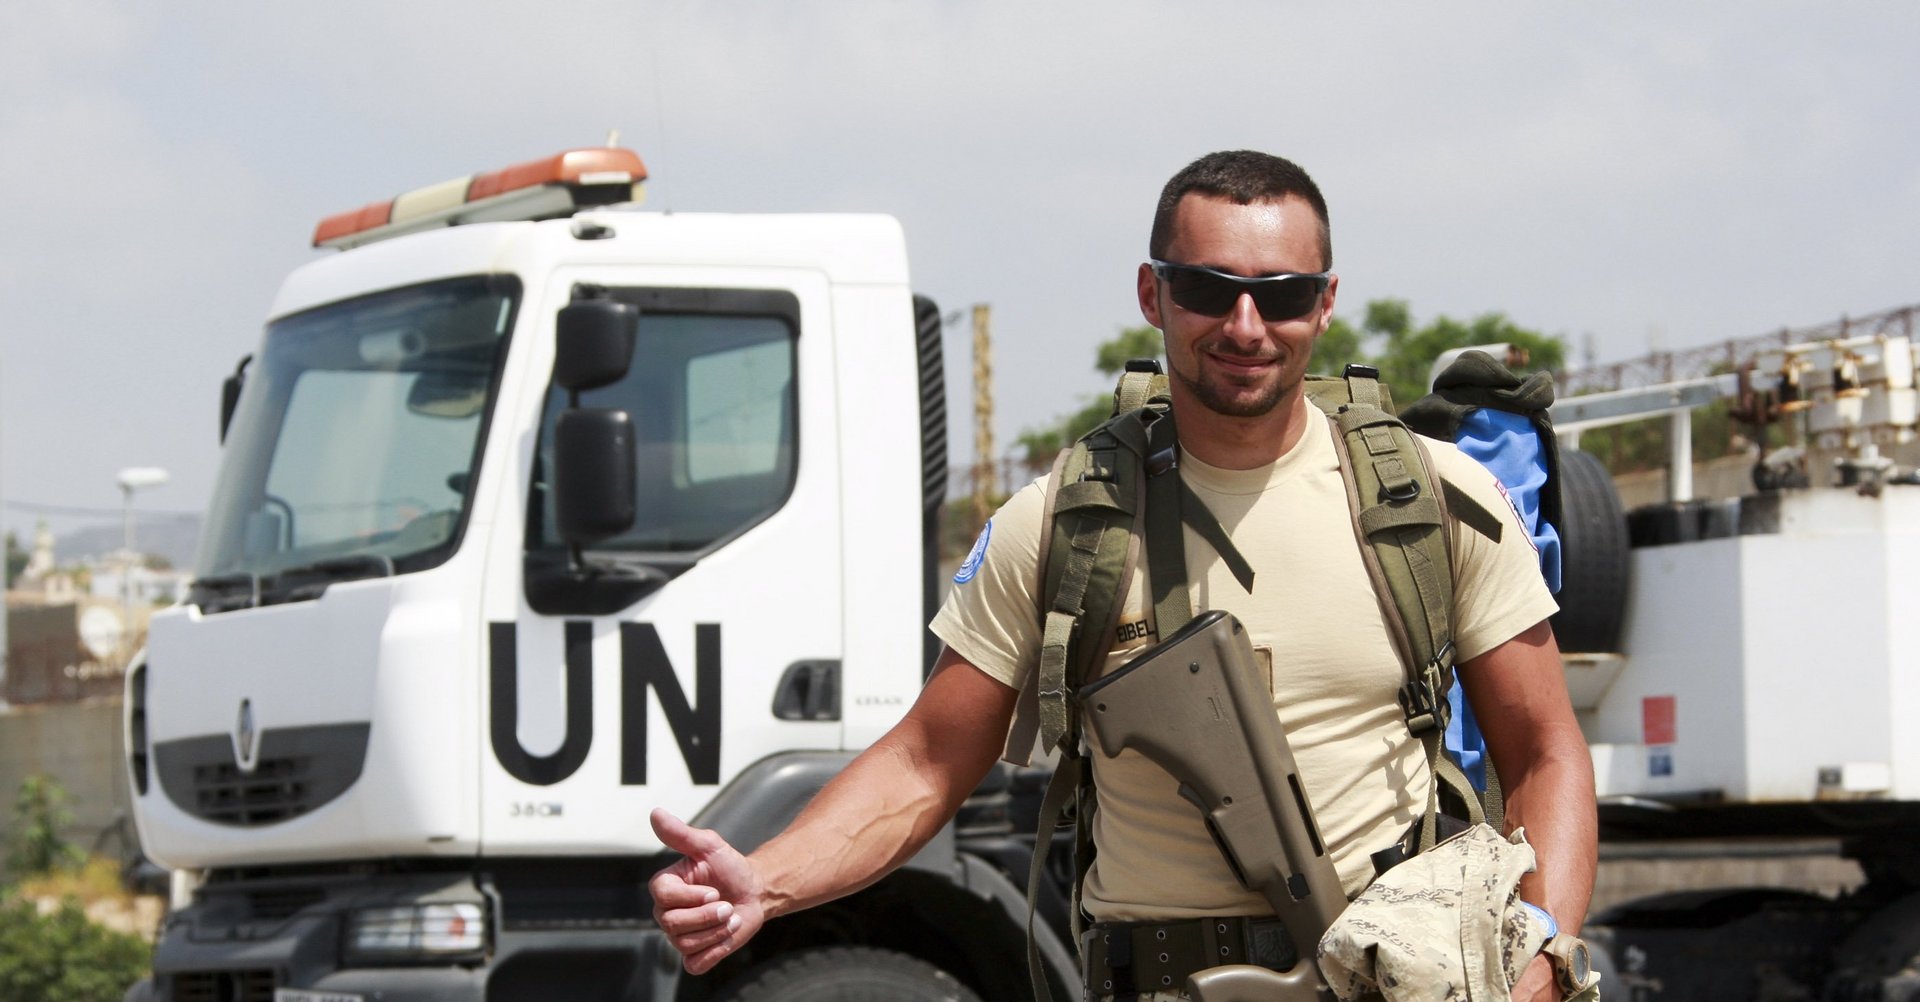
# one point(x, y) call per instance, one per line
point(1217, 398)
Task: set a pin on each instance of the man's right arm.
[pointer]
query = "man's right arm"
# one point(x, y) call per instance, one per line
point(888, 803)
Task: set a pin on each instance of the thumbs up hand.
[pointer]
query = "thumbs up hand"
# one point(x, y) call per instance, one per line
point(710, 902)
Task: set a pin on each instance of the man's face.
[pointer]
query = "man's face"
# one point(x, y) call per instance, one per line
point(1239, 365)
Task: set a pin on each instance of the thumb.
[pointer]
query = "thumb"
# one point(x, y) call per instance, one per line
point(681, 837)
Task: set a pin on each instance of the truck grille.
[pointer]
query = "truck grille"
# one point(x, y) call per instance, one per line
point(276, 791)
point(299, 769)
point(284, 902)
point(223, 986)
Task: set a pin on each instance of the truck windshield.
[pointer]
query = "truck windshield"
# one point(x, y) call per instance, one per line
point(358, 434)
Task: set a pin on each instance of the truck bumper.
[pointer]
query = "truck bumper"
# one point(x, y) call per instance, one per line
point(227, 946)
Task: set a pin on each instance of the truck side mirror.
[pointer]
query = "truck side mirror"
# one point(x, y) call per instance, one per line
point(594, 472)
point(230, 395)
point(593, 343)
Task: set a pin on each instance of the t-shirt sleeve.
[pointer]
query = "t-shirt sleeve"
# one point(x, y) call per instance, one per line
point(1498, 590)
point(991, 613)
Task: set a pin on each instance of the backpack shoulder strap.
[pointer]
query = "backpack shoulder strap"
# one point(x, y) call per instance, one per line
point(1400, 518)
point(1115, 496)
point(1022, 735)
point(1090, 554)
point(1091, 542)
point(1140, 382)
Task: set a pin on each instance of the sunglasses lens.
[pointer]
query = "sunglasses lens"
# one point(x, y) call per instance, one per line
point(1286, 298)
point(1201, 292)
point(1283, 297)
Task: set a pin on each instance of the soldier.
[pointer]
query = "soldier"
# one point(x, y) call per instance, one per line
point(1239, 283)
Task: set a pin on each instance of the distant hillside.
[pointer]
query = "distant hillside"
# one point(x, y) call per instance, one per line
point(175, 537)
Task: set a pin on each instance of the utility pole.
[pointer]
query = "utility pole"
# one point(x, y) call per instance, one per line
point(131, 479)
point(986, 484)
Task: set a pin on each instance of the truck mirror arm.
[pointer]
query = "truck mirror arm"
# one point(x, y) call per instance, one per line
point(571, 584)
point(230, 394)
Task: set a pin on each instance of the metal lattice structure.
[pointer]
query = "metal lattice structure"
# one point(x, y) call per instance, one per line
point(1726, 356)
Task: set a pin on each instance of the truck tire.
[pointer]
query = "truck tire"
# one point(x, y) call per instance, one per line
point(1881, 959)
point(848, 974)
point(1593, 558)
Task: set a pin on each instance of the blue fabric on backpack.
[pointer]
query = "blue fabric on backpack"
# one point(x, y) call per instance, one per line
point(1508, 445)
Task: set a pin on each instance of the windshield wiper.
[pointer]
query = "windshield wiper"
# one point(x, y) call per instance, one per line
point(310, 581)
point(216, 592)
point(247, 590)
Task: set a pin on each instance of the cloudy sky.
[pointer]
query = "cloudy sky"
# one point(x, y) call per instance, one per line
point(1627, 176)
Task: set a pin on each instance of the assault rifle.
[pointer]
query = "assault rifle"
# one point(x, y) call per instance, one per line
point(1195, 705)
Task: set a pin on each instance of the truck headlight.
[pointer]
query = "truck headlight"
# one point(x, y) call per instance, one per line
point(417, 932)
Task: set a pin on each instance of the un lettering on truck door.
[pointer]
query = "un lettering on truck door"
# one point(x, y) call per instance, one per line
point(644, 667)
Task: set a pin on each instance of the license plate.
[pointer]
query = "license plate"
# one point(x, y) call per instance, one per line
point(305, 995)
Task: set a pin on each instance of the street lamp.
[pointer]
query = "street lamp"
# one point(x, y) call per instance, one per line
point(131, 479)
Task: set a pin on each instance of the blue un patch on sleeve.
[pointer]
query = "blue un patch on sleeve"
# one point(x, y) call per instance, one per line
point(975, 557)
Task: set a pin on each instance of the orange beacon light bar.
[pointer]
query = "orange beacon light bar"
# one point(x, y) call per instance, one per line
point(538, 189)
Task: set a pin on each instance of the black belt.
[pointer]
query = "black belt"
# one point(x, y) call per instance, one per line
point(1124, 959)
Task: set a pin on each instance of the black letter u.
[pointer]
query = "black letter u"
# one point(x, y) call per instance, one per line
point(544, 770)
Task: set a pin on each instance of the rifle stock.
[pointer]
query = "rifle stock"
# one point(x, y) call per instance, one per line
point(1195, 706)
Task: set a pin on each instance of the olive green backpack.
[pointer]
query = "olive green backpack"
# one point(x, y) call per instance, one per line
point(1116, 496)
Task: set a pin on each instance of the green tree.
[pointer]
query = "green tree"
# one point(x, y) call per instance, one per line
point(1337, 347)
point(1408, 352)
point(61, 956)
point(35, 845)
point(16, 558)
point(1043, 443)
point(1131, 343)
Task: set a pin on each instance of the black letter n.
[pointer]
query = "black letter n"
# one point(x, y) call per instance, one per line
point(643, 666)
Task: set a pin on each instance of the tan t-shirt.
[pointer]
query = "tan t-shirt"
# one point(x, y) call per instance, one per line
point(1321, 632)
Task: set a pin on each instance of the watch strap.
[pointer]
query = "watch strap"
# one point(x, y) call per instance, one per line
point(1572, 962)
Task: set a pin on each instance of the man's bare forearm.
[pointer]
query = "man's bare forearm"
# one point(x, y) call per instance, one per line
point(1555, 805)
point(871, 818)
point(887, 803)
point(1519, 696)
point(892, 799)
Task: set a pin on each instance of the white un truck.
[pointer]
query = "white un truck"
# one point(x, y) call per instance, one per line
point(538, 511)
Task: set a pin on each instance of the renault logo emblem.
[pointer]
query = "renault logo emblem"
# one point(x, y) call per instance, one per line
point(246, 739)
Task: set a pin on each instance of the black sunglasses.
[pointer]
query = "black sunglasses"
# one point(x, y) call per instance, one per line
point(1212, 293)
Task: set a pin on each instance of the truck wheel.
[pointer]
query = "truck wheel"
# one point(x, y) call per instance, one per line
point(1593, 558)
point(1881, 959)
point(848, 974)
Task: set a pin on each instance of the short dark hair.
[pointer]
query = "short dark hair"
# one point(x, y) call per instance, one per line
point(1244, 176)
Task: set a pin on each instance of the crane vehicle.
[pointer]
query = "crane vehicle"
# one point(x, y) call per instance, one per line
point(1750, 680)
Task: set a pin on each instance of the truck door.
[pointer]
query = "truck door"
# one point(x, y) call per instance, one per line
point(648, 669)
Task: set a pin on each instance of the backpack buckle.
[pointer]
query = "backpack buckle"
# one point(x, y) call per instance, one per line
point(1397, 491)
point(1159, 433)
point(1418, 703)
point(1423, 702)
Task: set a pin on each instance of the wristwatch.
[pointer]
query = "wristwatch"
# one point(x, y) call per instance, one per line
point(1572, 961)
